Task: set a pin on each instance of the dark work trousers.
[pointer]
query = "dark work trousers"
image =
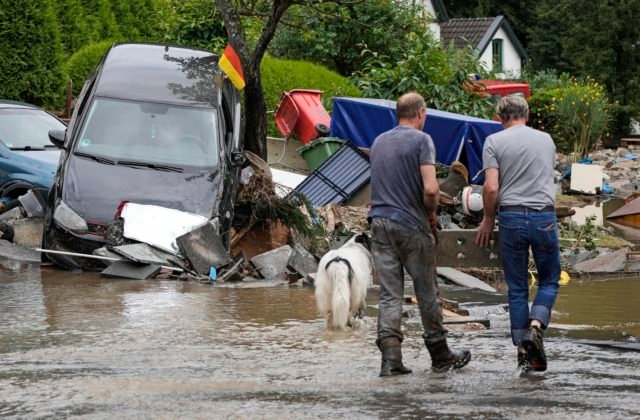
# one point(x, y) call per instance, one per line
point(394, 248)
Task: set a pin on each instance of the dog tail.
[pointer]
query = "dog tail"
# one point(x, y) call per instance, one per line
point(340, 274)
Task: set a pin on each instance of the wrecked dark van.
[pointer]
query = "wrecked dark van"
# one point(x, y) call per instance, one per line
point(153, 124)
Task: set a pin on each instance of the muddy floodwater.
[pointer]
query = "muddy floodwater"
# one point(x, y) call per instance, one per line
point(76, 345)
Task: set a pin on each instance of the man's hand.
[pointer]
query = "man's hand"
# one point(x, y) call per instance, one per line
point(433, 224)
point(485, 231)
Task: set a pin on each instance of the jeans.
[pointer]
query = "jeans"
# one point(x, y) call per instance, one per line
point(519, 231)
point(394, 249)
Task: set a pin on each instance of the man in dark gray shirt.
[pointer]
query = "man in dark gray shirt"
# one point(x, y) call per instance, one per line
point(518, 163)
point(404, 197)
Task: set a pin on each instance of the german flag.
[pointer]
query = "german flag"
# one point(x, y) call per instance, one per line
point(230, 65)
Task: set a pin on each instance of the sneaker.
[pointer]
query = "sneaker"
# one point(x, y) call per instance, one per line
point(534, 348)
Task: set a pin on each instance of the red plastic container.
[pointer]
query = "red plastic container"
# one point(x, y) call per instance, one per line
point(300, 112)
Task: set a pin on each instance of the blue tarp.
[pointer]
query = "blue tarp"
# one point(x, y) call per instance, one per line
point(455, 136)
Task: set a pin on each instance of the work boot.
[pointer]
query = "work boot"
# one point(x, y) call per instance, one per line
point(392, 358)
point(443, 359)
point(534, 347)
point(523, 359)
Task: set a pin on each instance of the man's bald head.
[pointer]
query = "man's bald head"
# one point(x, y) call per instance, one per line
point(409, 106)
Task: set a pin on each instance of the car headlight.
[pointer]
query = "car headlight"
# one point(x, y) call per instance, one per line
point(68, 219)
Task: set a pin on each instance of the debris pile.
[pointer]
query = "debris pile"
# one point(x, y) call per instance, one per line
point(21, 225)
point(605, 171)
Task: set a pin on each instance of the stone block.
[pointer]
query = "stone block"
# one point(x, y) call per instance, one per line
point(204, 249)
point(606, 263)
point(302, 261)
point(274, 262)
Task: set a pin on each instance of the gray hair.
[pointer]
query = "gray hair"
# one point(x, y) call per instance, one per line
point(512, 108)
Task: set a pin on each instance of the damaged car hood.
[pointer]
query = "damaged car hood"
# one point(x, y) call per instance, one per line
point(94, 190)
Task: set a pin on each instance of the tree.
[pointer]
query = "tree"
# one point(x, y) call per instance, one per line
point(517, 12)
point(194, 23)
point(270, 14)
point(127, 25)
point(30, 52)
point(336, 35)
point(74, 31)
point(598, 42)
point(101, 20)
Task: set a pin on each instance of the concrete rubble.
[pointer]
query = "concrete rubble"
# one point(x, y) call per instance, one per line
point(621, 168)
point(273, 263)
point(605, 263)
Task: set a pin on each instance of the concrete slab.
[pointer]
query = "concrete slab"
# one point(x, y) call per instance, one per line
point(463, 279)
point(272, 263)
point(27, 232)
point(606, 263)
point(142, 253)
point(104, 252)
point(302, 261)
point(130, 270)
point(13, 214)
point(204, 249)
point(582, 256)
point(457, 248)
point(18, 253)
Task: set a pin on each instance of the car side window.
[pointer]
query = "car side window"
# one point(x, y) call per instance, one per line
point(227, 124)
point(81, 102)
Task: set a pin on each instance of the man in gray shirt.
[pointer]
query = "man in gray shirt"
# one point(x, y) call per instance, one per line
point(518, 167)
point(404, 198)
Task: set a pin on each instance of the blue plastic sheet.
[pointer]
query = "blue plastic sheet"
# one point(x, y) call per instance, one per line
point(455, 136)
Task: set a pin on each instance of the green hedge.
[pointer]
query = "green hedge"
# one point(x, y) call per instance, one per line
point(81, 64)
point(30, 54)
point(280, 75)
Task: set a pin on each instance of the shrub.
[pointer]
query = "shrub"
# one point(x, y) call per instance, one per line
point(546, 80)
point(440, 74)
point(30, 61)
point(577, 116)
point(283, 75)
point(82, 63)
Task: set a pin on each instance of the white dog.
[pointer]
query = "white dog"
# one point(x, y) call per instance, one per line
point(344, 275)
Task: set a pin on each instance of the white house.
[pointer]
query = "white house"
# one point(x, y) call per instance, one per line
point(492, 38)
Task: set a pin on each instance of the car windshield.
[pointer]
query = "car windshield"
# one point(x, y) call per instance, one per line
point(27, 128)
point(138, 133)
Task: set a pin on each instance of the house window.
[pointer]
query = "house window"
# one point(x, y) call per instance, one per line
point(496, 45)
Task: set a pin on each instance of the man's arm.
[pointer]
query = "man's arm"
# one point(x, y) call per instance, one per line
point(431, 193)
point(490, 202)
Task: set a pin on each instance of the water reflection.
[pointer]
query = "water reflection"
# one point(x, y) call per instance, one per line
point(601, 209)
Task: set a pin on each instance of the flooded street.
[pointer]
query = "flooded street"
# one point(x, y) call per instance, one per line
point(74, 344)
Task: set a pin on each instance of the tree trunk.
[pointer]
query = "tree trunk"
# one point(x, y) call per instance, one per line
point(255, 129)
point(255, 108)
